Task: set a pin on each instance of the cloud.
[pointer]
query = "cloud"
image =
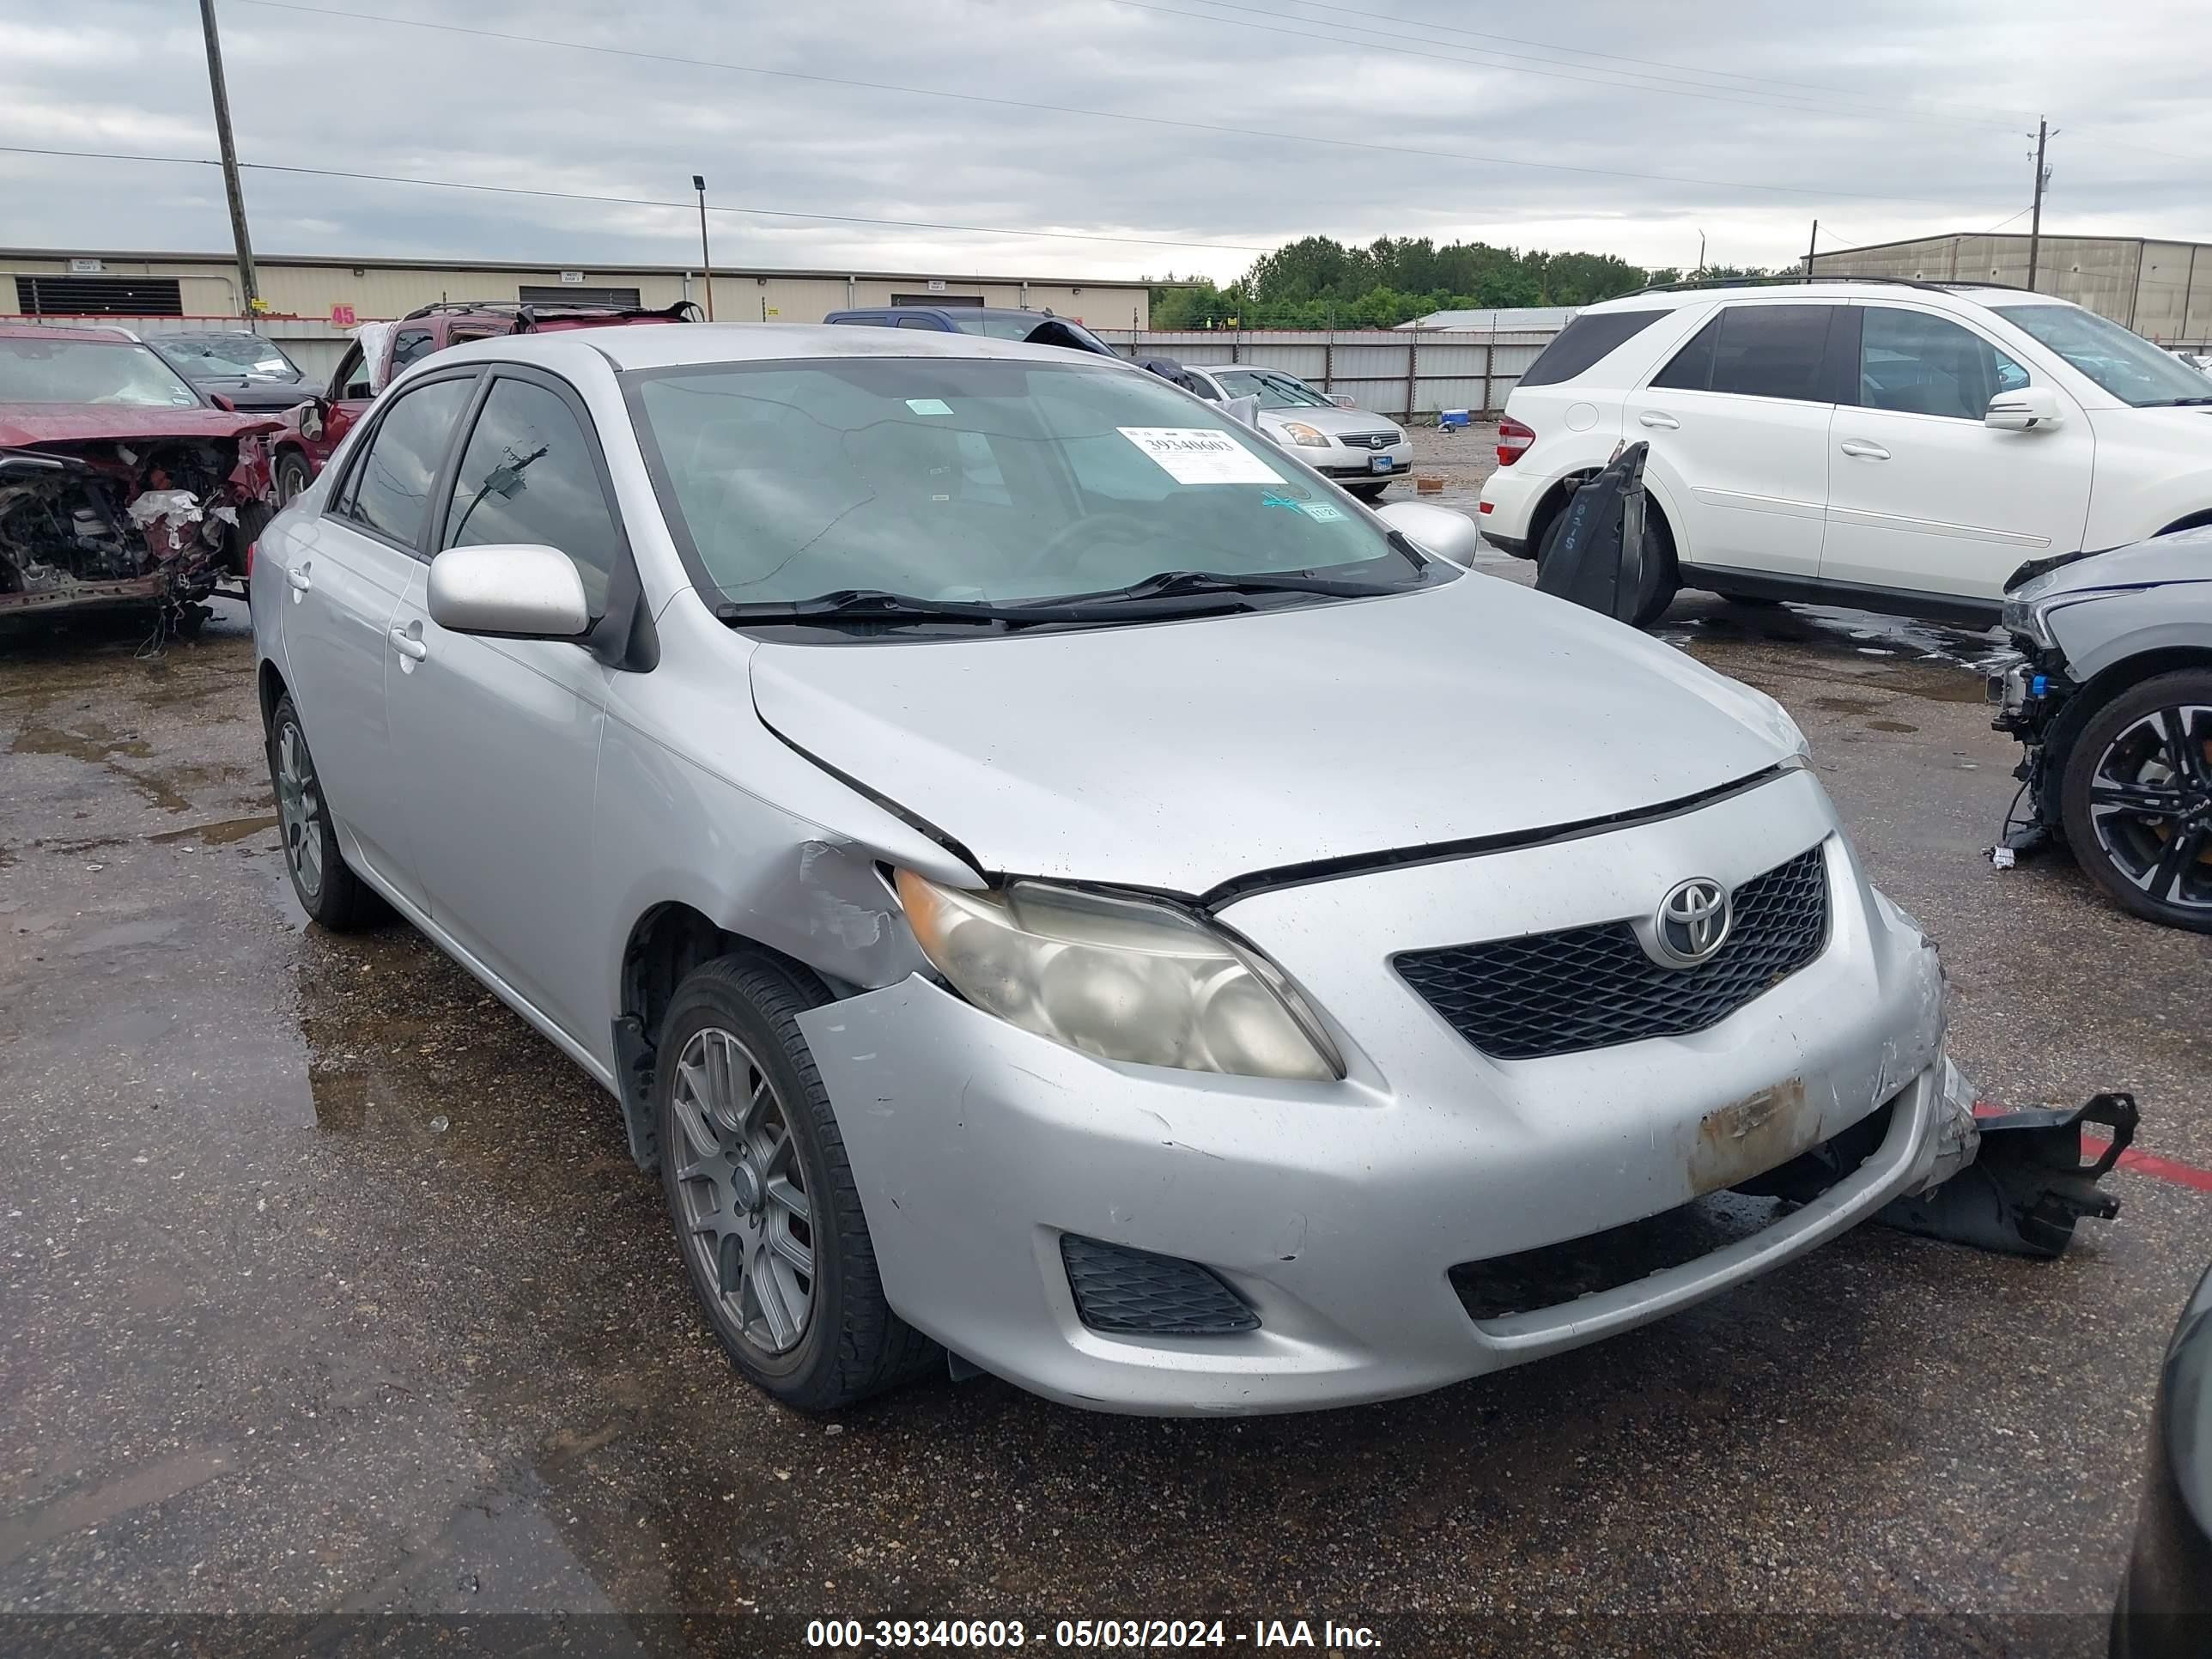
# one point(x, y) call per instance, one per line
point(1883, 120)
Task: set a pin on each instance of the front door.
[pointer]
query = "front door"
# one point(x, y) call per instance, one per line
point(1738, 424)
point(345, 584)
point(1923, 499)
point(500, 737)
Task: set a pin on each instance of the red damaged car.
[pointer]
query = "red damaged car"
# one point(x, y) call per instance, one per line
point(119, 486)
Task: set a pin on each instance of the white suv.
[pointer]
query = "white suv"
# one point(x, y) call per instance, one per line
point(1900, 444)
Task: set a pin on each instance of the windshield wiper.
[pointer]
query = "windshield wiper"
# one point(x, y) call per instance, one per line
point(1179, 584)
point(872, 605)
point(2180, 402)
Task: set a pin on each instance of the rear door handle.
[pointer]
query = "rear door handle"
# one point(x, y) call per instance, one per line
point(1664, 422)
point(409, 645)
point(297, 575)
point(1865, 451)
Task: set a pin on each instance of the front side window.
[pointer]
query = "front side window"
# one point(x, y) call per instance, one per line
point(975, 481)
point(116, 373)
point(2119, 360)
point(352, 378)
point(390, 491)
point(1919, 364)
point(530, 474)
point(1756, 351)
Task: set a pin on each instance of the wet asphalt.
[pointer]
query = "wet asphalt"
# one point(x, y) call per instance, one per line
point(327, 1288)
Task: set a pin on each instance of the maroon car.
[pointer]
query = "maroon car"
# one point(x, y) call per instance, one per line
point(302, 449)
point(118, 484)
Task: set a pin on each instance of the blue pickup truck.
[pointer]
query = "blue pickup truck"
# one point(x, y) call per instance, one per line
point(1035, 327)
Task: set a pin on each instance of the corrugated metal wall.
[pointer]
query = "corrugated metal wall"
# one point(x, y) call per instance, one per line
point(1405, 375)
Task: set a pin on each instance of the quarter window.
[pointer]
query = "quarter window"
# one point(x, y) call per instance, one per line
point(391, 492)
point(1756, 351)
point(1918, 364)
point(531, 474)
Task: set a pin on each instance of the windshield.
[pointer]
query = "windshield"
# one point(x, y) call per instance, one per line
point(977, 482)
point(231, 354)
point(2125, 364)
point(86, 372)
point(1273, 391)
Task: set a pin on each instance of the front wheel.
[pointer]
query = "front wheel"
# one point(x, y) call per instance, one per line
point(293, 476)
point(761, 1196)
point(2136, 798)
point(1369, 493)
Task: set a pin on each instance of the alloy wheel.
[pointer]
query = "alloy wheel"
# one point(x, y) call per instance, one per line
point(747, 1221)
point(2150, 801)
point(300, 809)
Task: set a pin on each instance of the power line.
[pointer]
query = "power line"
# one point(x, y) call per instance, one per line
point(1274, 135)
point(629, 201)
point(1752, 97)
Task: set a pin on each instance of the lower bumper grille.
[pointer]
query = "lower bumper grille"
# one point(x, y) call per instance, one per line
point(1589, 987)
point(1136, 1292)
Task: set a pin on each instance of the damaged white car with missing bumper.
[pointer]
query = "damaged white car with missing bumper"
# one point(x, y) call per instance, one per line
point(1047, 875)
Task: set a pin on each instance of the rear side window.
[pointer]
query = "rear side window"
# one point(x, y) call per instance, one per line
point(1757, 351)
point(1581, 343)
point(391, 491)
point(531, 474)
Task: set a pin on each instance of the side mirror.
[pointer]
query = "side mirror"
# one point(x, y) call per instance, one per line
point(512, 590)
point(1344, 400)
point(2023, 409)
point(222, 402)
point(1438, 530)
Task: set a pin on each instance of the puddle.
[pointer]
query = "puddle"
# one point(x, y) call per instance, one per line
point(222, 833)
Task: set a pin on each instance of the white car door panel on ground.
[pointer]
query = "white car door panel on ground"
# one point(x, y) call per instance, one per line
point(347, 585)
point(1923, 496)
point(502, 737)
point(1738, 422)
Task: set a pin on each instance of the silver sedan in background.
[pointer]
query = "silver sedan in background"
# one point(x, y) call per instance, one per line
point(1048, 878)
point(1361, 451)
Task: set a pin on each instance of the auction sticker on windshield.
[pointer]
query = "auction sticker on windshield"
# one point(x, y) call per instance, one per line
point(1194, 455)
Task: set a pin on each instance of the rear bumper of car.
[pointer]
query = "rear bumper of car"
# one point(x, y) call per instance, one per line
point(1509, 502)
point(1341, 1213)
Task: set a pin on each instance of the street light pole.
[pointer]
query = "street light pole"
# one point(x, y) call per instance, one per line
point(249, 283)
point(706, 260)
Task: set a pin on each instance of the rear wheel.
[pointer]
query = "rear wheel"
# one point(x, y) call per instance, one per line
point(2136, 798)
point(762, 1195)
point(1661, 580)
point(327, 891)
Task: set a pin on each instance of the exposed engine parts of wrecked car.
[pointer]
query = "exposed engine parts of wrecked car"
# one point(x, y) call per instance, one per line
point(110, 522)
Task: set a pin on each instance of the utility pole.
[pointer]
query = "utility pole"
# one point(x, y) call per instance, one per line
point(1701, 254)
point(2035, 223)
point(1809, 249)
point(706, 260)
point(249, 283)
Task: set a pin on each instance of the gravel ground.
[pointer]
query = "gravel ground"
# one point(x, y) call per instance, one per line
point(330, 1290)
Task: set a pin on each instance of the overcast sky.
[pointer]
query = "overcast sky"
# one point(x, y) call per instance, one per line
point(1884, 120)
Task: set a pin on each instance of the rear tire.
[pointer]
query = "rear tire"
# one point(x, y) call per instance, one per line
point(761, 1196)
point(2136, 798)
point(327, 889)
point(1662, 579)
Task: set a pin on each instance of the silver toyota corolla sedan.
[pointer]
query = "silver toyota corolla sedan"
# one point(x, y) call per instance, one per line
point(1048, 878)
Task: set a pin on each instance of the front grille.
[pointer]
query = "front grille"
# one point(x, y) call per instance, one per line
point(1119, 1289)
point(1589, 987)
point(1367, 439)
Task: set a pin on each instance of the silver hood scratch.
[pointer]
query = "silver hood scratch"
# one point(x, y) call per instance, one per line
point(1149, 756)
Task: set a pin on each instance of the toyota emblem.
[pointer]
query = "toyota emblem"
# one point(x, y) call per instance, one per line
point(1691, 923)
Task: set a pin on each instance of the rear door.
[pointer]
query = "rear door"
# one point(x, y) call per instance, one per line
point(345, 583)
point(1738, 423)
point(500, 738)
point(1924, 498)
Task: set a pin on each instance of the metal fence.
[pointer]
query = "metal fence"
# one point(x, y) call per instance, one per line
point(1408, 374)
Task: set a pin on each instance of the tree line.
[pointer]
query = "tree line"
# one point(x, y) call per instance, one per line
point(1319, 282)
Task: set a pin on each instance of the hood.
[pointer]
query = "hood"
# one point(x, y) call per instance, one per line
point(1334, 421)
point(24, 425)
point(2183, 556)
point(1177, 756)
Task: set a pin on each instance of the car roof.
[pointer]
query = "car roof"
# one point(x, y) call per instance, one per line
point(94, 334)
point(732, 343)
point(1828, 290)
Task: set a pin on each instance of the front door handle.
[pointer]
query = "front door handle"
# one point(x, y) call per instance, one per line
point(411, 646)
point(1663, 422)
point(297, 575)
point(1865, 451)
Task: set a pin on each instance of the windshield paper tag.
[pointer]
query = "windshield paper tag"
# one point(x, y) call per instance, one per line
point(1196, 455)
point(1320, 512)
point(929, 405)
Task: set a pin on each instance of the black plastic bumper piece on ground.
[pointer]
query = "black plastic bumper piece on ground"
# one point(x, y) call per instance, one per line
point(1135, 1293)
point(2027, 1185)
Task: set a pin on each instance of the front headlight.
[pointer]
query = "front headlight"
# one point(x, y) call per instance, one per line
point(1121, 978)
point(1304, 436)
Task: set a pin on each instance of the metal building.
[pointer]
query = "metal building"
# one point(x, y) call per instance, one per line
point(2162, 290)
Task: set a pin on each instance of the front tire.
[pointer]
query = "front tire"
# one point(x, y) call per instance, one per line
point(761, 1196)
point(294, 475)
point(2136, 798)
point(327, 889)
point(1369, 493)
